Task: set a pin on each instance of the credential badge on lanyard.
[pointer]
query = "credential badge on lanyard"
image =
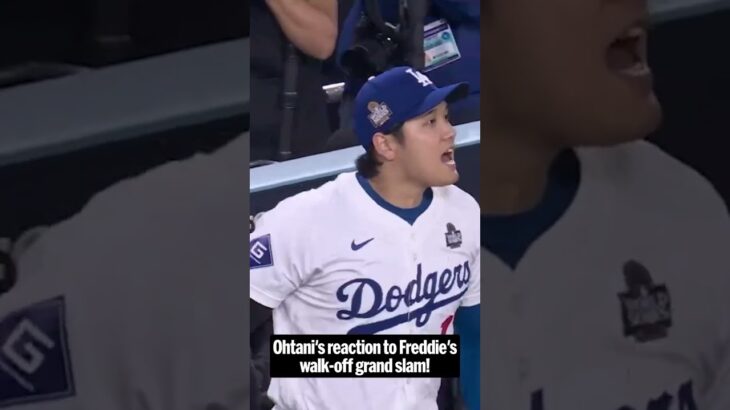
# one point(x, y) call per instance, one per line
point(439, 45)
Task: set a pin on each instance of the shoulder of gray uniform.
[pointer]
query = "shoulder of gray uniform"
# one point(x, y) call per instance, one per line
point(644, 165)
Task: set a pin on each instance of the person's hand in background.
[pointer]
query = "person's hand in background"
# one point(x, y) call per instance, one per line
point(311, 25)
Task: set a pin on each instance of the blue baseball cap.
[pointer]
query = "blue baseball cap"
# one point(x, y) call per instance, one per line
point(396, 96)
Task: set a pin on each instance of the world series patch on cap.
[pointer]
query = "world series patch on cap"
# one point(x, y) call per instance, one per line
point(396, 96)
point(379, 113)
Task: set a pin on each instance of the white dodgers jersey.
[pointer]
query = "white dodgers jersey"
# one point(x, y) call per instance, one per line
point(624, 304)
point(134, 303)
point(333, 261)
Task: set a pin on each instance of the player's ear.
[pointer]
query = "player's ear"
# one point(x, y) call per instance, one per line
point(384, 146)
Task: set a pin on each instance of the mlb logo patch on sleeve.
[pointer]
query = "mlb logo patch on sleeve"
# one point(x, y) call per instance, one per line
point(35, 364)
point(260, 255)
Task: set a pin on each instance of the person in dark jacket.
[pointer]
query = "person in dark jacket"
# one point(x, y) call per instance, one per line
point(311, 26)
point(460, 22)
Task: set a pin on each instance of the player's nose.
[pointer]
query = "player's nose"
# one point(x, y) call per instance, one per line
point(449, 132)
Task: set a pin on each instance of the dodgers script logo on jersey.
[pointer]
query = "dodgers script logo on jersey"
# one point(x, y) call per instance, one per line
point(35, 363)
point(433, 289)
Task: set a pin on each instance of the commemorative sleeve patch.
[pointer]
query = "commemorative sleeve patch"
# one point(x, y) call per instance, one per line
point(35, 363)
point(260, 254)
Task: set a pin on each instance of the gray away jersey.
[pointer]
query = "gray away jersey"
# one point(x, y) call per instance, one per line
point(624, 304)
point(333, 261)
point(134, 303)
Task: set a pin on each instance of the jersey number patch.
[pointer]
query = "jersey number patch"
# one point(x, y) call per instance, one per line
point(445, 324)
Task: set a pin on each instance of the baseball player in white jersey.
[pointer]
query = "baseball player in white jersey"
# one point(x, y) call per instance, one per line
point(134, 303)
point(390, 249)
point(606, 267)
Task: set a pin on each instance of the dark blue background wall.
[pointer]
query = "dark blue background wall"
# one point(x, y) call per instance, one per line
point(692, 66)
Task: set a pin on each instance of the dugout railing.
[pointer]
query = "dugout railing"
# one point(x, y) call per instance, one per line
point(124, 101)
point(272, 183)
point(64, 140)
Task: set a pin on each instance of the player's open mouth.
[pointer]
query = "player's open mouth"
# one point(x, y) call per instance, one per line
point(627, 54)
point(448, 157)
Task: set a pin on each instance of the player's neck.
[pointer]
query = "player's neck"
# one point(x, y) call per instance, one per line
point(514, 172)
point(397, 191)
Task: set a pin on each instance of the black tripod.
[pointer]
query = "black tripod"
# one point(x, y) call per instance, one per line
point(288, 105)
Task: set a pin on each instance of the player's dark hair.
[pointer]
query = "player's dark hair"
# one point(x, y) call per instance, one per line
point(368, 164)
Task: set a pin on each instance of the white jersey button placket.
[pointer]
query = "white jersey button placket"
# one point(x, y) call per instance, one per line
point(412, 329)
point(519, 313)
point(414, 261)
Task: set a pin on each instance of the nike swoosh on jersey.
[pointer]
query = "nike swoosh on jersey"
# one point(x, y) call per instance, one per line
point(358, 246)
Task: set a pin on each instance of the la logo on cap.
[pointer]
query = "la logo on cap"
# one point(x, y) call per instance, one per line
point(420, 77)
point(379, 113)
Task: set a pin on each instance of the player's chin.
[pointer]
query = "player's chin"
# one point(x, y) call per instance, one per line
point(449, 175)
point(625, 121)
point(633, 125)
point(631, 113)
